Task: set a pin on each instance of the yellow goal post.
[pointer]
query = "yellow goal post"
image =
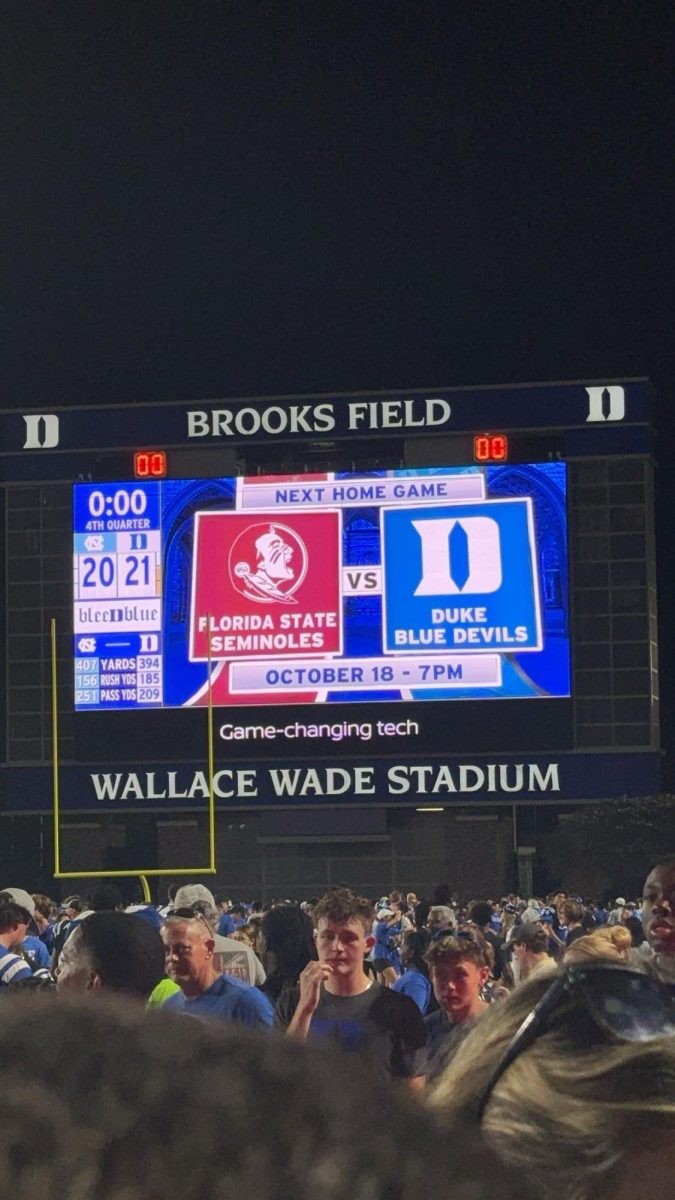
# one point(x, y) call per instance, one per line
point(144, 873)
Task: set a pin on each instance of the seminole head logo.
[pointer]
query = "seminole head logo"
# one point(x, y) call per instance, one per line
point(267, 563)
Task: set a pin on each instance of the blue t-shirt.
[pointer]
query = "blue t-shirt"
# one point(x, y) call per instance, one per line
point(226, 925)
point(226, 1000)
point(383, 948)
point(416, 985)
point(12, 966)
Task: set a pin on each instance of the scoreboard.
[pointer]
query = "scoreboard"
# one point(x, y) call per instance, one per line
point(454, 588)
point(388, 586)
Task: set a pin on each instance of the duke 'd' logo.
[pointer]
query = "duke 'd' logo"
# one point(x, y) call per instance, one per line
point(264, 588)
point(267, 563)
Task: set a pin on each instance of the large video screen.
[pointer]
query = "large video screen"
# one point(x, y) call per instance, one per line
point(411, 585)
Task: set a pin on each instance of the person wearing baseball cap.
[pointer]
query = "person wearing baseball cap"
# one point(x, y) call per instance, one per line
point(32, 947)
point(616, 915)
point(16, 914)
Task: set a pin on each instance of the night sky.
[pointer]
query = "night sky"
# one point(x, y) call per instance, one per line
point(216, 199)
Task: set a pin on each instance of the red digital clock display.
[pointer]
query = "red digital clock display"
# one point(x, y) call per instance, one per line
point(149, 464)
point(490, 448)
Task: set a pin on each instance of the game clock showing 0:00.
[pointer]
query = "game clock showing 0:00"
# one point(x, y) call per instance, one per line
point(427, 584)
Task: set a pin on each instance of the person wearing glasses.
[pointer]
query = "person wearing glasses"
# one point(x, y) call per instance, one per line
point(189, 946)
point(572, 1083)
point(459, 969)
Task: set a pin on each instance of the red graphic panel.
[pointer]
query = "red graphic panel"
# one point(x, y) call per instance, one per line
point(266, 585)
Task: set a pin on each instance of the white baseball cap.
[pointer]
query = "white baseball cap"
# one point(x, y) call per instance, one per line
point(193, 893)
point(22, 898)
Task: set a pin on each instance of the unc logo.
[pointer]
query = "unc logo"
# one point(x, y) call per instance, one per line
point(459, 555)
point(267, 563)
point(606, 403)
point(42, 431)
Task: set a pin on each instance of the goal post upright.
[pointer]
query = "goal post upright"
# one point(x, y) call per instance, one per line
point(145, 872)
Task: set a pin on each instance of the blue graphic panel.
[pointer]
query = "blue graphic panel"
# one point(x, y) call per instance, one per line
point(461, 577)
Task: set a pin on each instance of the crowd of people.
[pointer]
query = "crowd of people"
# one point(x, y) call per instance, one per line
point(535, 1033)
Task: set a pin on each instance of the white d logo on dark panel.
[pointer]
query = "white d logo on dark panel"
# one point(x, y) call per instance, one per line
point(42, 431)
point(606, 403)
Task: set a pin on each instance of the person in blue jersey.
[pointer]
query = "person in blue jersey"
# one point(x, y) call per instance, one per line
point(14, 922)
point(147, 913)
point(414, 981)
point(226, 924)
point(68, 910)
point(385, 954)
point(45, 918)
point(32, 949)
point(239, 916)
point(189, 946)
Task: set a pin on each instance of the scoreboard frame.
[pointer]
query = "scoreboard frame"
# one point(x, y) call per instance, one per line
point(602, 429)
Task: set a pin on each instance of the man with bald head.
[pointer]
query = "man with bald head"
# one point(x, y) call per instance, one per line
point(188, 947)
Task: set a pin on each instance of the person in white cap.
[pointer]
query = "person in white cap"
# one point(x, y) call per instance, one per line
point(616, 915)
point(16, 913)
point(229, 956)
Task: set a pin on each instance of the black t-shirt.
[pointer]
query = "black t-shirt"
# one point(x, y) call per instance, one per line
point(575, 934)
point(379, 1024)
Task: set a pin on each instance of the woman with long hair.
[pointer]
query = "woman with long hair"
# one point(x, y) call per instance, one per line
point(285, 944)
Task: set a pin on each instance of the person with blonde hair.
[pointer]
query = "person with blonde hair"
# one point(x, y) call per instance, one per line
point(572, 1082)
point(611, 943)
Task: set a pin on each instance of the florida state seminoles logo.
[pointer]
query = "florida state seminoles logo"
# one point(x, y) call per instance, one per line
point(267, 563)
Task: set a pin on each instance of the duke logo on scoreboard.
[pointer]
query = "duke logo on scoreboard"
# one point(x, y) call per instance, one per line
point(264, 588)
point(461, 576)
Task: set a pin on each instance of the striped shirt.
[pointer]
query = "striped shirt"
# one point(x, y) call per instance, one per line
point(12, 966)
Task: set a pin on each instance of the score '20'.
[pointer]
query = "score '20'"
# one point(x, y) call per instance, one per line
point(100, 572)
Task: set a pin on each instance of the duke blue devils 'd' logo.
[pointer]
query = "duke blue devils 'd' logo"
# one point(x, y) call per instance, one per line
point(459, 556)
point(42, 431)
point(606, 403)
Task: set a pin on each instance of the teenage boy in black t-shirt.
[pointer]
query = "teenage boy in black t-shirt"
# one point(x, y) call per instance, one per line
point(336, 999)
